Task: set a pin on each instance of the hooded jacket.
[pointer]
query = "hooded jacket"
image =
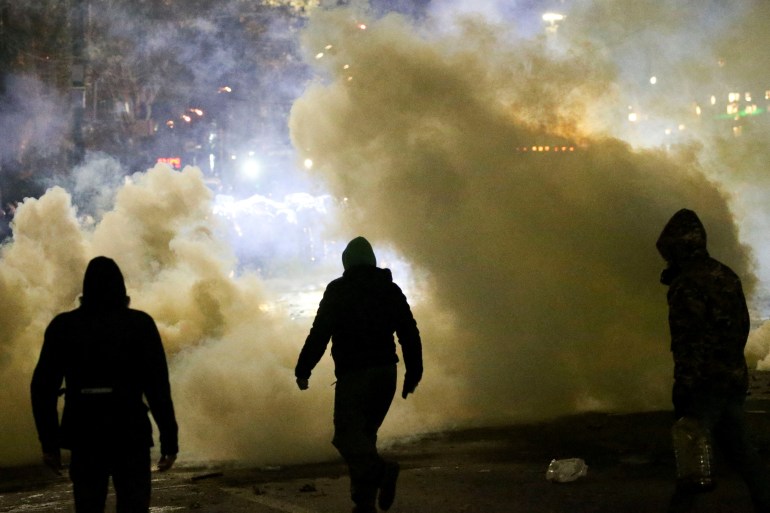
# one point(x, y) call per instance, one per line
point(708, 316)
point(359, 312)
point(109, 356)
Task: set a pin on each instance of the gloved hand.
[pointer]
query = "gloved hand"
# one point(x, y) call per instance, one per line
point(303, 383)
point(166, 462)
point(52, 460)
point(410, 384)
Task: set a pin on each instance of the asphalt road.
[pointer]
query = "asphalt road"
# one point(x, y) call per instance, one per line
point(489, 470)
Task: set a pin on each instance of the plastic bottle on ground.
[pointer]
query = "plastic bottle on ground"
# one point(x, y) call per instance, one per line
point(567, 470)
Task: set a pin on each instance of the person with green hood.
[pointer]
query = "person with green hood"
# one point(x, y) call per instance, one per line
point(360, 312)
point(709, 325)
point(112, 360)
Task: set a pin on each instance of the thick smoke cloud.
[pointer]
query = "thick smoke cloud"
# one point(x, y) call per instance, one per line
point(544, 261)
point(231, 348)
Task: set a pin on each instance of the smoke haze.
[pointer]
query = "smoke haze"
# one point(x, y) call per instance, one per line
point(545, 261)
point(532, 274)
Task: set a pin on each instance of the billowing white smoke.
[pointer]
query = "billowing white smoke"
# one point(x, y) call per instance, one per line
point(231, 350)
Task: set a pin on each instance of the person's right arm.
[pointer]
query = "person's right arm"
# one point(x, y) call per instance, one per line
point(409, 339)
point(157, 389)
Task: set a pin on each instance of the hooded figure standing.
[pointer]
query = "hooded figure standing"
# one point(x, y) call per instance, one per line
point(360, 312)
point(110, 357)
point(709, 324)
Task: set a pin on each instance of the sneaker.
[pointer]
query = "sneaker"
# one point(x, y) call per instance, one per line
point(388, 486)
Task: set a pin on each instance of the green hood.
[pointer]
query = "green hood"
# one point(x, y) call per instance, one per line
point(358, 253)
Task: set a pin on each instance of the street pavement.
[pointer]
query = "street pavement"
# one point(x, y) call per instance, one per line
point(499, 469)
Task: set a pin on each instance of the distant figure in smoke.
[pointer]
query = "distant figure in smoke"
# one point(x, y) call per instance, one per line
point(360, 312)
point(709, 324)
point(109, 356)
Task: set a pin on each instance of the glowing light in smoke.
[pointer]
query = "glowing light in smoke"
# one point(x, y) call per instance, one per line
point(251, 167)
point(553, 17)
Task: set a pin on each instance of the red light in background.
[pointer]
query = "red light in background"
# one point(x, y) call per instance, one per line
point(174, 162)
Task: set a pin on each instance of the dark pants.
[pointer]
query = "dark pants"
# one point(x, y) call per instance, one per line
point(90, 472)
point(361, 401)
point(722, 414)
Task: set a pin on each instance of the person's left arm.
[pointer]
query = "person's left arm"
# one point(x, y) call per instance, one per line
point(317, 340)
point(44, 389)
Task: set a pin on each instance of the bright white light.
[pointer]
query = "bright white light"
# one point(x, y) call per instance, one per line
point(553, 17)
point(653, 80)
point(308, 163)
point(250, 168)
point(633, 117)
point(319, 55)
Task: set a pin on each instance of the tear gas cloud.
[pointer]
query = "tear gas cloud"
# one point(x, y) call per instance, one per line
point(532, 274)
point(545, 261)
point(30, 117)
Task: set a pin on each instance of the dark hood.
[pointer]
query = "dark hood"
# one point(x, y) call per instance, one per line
point(358, 253)
point(683, 238)
point(103, 285)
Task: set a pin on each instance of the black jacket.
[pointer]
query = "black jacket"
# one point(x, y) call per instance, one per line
point(110, 359)
point(708, 316)
point(360, 311)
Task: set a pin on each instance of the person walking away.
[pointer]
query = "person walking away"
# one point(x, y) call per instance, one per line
point(709, 326)
point(109, 356)
point(360, 312)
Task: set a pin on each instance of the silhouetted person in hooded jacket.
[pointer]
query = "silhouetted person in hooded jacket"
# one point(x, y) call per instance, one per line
point(360, 312)
point(110, 357)
point(709, 324)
